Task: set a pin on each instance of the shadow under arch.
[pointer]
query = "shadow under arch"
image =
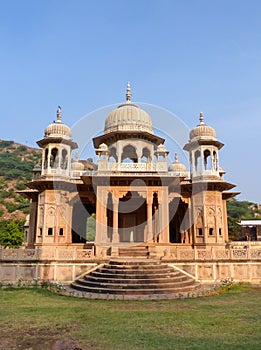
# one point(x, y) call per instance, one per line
point(177, 212)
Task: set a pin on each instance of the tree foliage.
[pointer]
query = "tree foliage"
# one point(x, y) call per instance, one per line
point(11, 234)
point(91, 228)
point(237, 211)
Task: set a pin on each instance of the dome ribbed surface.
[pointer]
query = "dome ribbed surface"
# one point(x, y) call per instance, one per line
point(202, 131)
point(58, 129)
point(177, 167)
point(128, 117)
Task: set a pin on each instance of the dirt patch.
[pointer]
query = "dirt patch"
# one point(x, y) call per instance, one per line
point(36, 339)
point(13, 344)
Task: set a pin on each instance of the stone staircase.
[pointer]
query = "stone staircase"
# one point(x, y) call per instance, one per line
point(140, 277)
point(134, 252)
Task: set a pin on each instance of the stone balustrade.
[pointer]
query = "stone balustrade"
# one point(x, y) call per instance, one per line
point(232, 252)
point(50, 253)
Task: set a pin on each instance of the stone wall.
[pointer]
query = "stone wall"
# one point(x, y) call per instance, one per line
point(240, 261)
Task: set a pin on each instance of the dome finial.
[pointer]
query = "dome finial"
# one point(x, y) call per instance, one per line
point(201, 118)
point(58, 113)
point(128, 93)
point(176, 157)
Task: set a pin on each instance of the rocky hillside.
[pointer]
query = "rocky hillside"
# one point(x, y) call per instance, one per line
point(16, 164)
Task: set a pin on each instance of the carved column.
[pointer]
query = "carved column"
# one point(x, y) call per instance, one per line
point(164, 214)
point(139, 153)
point(225, 225)
point(101, 225)
point(202, 160)
point(115, 232)
point(31, 240)
point(149, 216)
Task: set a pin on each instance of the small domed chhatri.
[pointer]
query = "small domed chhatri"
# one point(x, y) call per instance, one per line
point(202, 130)
point(128, 117)
point(58, 128)
point(176, 166)
point(76, 165)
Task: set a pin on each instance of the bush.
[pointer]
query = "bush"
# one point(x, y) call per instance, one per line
point(4, 144)
point(20, 186)
point(11, 207)
point(11, 234)
point(22, 149)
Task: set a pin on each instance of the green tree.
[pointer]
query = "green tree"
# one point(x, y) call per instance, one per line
point(91, 228)
point(237, 211)
point(11, 235)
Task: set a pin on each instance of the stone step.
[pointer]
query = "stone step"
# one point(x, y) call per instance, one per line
point(161, 280)
point(128, 291)
point(136, 262)
point(128, 275)
point(149, 270)
point(133, 252)
point(125, 284)
point(135, 277)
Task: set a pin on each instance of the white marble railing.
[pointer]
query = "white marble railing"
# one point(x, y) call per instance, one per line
point(131, 167)
point(206, 173)
point(56, 171)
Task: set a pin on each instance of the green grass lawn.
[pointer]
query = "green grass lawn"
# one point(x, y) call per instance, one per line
point(36, 319)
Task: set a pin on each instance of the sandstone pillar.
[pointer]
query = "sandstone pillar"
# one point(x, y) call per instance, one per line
point(115, 232)
point(149, 218)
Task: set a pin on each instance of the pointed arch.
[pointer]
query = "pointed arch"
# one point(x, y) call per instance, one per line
point(207, 160)
point(129, 154)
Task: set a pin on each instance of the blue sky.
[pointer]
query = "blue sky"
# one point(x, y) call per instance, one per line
point(186, 56)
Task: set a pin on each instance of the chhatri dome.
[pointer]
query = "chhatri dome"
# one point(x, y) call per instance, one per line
point(176, 166)
point(58, 128)
point(202, 131)
point(128, 117)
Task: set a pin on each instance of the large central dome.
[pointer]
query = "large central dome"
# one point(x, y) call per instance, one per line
point(128, 117)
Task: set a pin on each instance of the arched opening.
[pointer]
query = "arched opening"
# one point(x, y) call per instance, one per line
point(129, 154)
point(145, 155)
point(109, 214)
point(132, 217)
point(155, 218)
point(177, 211)
point(215, 161)
point(113, 156)
point(54, 158)
point(207, 160)
point(64, 160)
point(46, 158)
point(197, 161)
point(83, 222)
point(51, 221)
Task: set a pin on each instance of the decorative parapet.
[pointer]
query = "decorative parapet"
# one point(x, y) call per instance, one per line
point(47, 253)
point(174, 252)
point(214, 253)
point(19, 254)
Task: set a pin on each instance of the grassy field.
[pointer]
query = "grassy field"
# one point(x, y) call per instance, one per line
point(38, 320)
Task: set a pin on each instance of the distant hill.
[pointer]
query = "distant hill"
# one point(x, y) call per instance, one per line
point(16, 164)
